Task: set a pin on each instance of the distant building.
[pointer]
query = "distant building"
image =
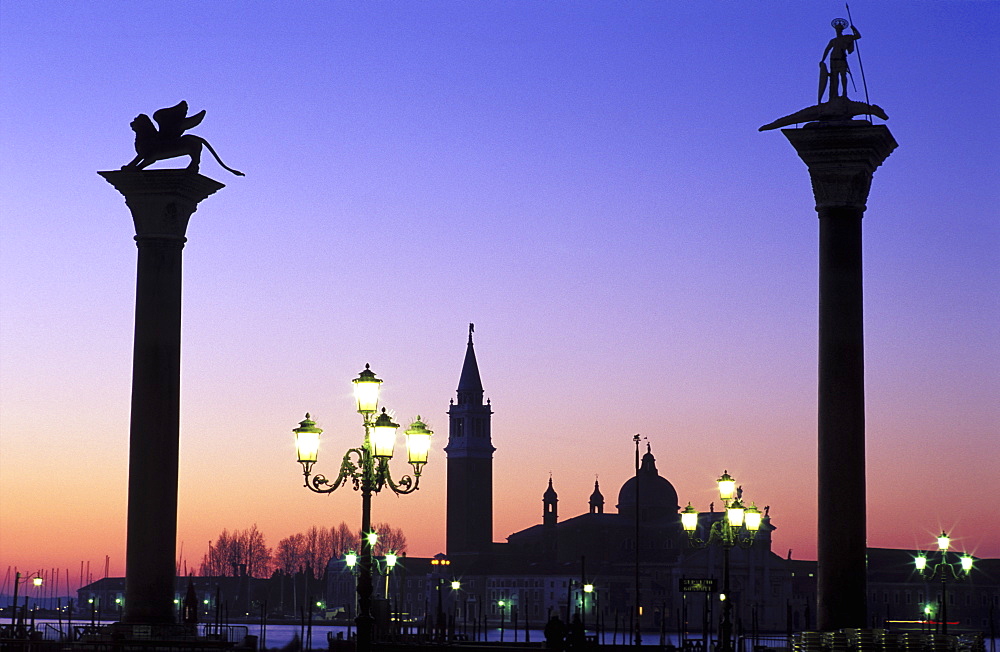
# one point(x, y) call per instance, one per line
point(542, 570)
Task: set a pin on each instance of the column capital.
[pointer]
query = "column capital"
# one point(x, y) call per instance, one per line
point(841, 160)
point(161, 201)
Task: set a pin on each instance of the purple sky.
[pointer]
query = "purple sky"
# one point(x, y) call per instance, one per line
point(583, 180)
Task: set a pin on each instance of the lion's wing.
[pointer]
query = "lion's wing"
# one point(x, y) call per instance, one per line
point(173, 120)
point(193, 121)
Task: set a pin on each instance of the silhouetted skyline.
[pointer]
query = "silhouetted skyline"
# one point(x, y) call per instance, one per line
point(583, 181)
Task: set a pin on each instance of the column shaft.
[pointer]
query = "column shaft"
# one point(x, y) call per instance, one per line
point(841, 538)
point(161, 203)
point(154, 434)
point(841, 157)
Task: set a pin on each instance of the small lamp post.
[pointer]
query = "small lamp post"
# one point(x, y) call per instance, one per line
point(367, 469)
point(944, 571)
point(737, 527)
point(18, 581)
point(503, 612)
point(584, 598)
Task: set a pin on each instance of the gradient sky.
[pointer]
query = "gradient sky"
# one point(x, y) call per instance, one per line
point(583, 180)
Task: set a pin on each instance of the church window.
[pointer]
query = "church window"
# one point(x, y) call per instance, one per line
point(459, 427)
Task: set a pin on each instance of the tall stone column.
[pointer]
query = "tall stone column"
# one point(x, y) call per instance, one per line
point(841, 157)
point(161, 202)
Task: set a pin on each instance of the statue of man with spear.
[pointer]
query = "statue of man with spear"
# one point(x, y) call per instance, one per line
point(838, 48)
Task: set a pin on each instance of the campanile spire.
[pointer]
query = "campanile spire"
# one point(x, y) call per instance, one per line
point(470, 463)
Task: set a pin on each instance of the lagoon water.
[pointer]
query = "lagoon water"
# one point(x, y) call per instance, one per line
point(277, 636)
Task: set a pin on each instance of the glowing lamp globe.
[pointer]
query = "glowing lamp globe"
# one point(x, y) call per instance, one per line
point(752, 518)
point(966, 561)
point(383, 436)
point(920, 561)
point(390, 559)
point(366, 388)
point(689, 518)
point(943, 541)
point(351, 558)
point(735, 513)
point(456, 585)
point(418, 444)
point(727, 486)
point(307, 442)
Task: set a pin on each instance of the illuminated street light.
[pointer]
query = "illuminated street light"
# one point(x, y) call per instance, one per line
point(18, 580)
point(367, 470)
point(944, 571)
point(737, 527)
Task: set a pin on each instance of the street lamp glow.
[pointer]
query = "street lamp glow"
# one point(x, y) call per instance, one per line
point(390, 560)
point(966, 561)
point(588, 588)
point(383, 436)
point(455, 585)
point(689, 518)
point(737, 527)
point(366, 468)
point(366, 389)
point(418, 444)
point(921, 562)
point(735, 513)
point(307, 442)
point(943, 541)
point(727, 486)
point(37, 581)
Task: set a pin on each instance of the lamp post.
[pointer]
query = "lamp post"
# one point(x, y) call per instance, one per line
point(944, 571)
point(456, 605)
point(367, 468)
point(736, 527)
point(18, 580)
point(638, 603)
point(503, 612)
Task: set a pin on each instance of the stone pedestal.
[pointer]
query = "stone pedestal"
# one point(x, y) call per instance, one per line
point(161, 202)
point(841, 158)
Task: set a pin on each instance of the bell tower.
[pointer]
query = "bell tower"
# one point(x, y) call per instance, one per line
point(470, 464)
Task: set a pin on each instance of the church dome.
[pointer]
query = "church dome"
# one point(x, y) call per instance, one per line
point(657, 497)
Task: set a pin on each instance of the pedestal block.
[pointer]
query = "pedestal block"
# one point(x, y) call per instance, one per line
point(161, 202)
point(841, 158)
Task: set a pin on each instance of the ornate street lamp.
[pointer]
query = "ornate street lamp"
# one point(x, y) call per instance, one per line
point(944, 571)
point(367, 468)
point(737, 527)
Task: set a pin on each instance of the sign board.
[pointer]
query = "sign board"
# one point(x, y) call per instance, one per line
point(705, 585)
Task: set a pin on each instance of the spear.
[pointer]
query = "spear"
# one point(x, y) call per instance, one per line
point(861, 66)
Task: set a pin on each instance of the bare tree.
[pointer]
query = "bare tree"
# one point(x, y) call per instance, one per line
point(390, 539)
point(290, 555)
point(229, 552)
point(343, 539)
